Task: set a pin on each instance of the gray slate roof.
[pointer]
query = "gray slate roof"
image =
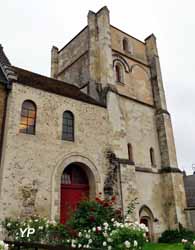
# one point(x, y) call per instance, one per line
point(4, 62)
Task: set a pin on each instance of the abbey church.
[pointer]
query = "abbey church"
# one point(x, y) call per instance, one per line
point(99, 123)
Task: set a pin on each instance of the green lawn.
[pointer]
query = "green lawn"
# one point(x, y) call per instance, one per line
point(163, 246)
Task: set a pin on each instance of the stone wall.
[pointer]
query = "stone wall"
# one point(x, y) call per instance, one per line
point(137, 84)
point(134, 123)
point(77, 74)
point(149, 194)
point(136, 47)
point(33, 164)
point(72, 51)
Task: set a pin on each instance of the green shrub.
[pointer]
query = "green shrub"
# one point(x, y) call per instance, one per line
point(176, 236)
point(188, 246)
point(94, 213)
point(44, 231)
point(100, 226)
point(127, 238)
point(94, 224)
point(3, 246)
point(115, 236)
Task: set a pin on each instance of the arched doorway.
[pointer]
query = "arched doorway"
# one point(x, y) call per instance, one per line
point(74, 188)
point(147, 218)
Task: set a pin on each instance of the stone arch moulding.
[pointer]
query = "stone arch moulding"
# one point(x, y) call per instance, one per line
point(121, 60)
point(146, 214)
point(147, 210)
point(142, 68)
point(91, 171)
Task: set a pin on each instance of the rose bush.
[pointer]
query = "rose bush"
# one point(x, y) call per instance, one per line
point(94, 213)
point(45, 231)
point(94, 224)
point(114, 235)
point(3, 246)
point(188, 245)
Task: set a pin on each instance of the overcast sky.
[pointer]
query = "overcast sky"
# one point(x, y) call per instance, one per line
point(29, 28)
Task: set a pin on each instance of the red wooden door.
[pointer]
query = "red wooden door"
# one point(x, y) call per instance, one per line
point(74, 188)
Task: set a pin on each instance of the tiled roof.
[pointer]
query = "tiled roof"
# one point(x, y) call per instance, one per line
point(52, 85)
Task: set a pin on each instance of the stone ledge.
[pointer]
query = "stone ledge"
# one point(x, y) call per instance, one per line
point(189, 209)
point(170, 170)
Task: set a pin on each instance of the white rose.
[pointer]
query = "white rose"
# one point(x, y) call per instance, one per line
point(104, 243)
point(135, 243)
point(127, 244)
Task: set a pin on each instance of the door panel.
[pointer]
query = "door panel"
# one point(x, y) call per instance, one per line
point(71, 195)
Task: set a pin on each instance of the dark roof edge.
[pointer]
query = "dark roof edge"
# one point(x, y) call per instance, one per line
point(51, 81)
point(43, 76)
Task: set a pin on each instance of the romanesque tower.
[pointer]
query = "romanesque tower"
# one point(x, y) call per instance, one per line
point(100, 121)
point(124, 72)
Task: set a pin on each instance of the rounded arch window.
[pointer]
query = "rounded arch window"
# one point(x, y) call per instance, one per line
point(28, 117)
point(68, 126)
point(119, 73)
point(125, 45)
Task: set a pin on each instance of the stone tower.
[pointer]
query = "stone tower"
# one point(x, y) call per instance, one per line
point(110, 123)
point(95, 53)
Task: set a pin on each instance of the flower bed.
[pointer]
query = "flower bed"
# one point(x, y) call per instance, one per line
point(95, 224)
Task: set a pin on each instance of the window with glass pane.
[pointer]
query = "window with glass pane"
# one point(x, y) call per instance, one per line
point(28, 118)
point(68, 126)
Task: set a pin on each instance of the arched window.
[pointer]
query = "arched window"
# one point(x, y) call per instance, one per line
point(68, 126)
point(118, 73)
point(152, 157)
point(125, 45)
point(28, 118)
point(130, 151)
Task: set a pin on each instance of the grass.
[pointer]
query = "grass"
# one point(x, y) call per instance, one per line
point(163, 246)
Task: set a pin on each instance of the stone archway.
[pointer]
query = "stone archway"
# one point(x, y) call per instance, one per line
point(147, 218)
point(92, 174)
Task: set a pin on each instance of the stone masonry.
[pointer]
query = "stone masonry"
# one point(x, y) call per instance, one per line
point(130, 111)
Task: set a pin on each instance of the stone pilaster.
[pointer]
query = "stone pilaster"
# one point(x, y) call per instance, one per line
point(163, 119)
point(172, 178)
point(100, 52)
point(54, 62)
